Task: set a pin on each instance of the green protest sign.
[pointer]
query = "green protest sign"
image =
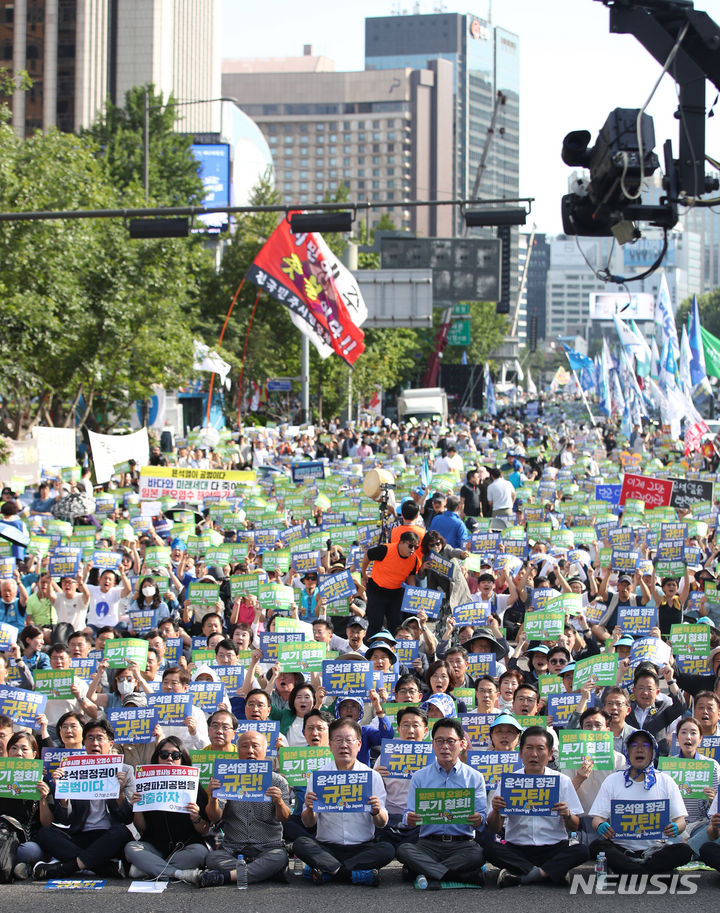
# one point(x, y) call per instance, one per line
point(19, 778)
point(693, 776)
point(601, 670)
point(306, 656)
point(550, 684)
point(205, 760)
point(690, 639)
point(544, 624)
point(55, 683)
point(577, 744)
point(569, 603)
point(124, 650)
point(444, 805)
point(297, 763)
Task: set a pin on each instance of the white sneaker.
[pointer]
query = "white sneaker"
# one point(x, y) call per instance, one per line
point(136, 874)
point(21, 871)
point(189, 876)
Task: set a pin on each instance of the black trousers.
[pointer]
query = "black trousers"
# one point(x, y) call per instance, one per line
point(458, 860)
point(95, 848)
point(556, 859)
point(660, 861)
point(710, 854)
point(383, 608)
point(342, 859)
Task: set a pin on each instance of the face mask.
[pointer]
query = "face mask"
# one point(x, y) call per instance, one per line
point(148, 591)
point(125, 686)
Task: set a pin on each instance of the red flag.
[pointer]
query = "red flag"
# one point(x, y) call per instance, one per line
point(693, 436)
point(302, 273)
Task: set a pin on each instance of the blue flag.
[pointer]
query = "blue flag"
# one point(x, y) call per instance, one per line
point(697, 360)
point(577, 360)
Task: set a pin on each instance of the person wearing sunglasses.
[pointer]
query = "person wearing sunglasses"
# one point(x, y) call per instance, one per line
point(393, 565)
point(171, 844)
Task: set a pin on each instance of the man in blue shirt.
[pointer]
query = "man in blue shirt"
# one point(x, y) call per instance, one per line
point(449, 524)
point(446, 852)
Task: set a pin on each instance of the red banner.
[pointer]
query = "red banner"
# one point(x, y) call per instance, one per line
point(693, 437)
point(302, 273)
point(654, 492)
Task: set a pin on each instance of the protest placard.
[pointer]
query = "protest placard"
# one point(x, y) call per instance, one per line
point(297, 763)
point(89, 777)
point(243, 781)
point(444, 805)
point(351, 677)
point(416, 599)
point(577, 744)
point(166, 787)
point(529, 794)
point(341, 790)
point(639, 819)
point(133, 725)
point(19, 778)
point(601, 669)
point(493, 764)
point(22, 706)
point(172, 708)
point(403, 758)
point(120, 652)
point(692, 775)
point(205, 762)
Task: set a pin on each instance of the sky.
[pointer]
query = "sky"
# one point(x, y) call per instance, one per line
point(573, 72)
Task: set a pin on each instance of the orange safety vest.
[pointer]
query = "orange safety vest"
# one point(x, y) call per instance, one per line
point(397, 531)
point(393, 570)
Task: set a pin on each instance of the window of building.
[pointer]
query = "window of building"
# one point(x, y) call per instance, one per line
point(391, 147)
point(303, 185)
point(391, 171)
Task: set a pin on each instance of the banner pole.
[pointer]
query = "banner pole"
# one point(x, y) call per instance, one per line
point(305, 375)
point(584, 398)
point(222, 333)
point(242, 363)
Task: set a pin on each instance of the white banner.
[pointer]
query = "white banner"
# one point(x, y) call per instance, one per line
point(110, 449)
point(166, 787)
point(90, 776)
point(56, 446)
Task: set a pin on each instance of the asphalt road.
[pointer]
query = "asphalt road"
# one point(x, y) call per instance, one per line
point(394, 895)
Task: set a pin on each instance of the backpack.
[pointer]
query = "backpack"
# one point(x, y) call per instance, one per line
point(9, 843)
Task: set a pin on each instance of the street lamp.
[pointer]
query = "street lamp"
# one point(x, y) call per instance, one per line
point(146, 131)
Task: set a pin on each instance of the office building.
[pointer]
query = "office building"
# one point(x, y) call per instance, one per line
point(387, 136)
point(78, 53)
point(485, 61)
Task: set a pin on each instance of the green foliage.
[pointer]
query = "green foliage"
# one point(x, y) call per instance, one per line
point(90, 317)
point(119, 135)
point(487, 331)
point(709, 307)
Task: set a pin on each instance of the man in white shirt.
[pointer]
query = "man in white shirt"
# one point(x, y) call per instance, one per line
point(345, 845)
point(500, 495)
point(640, 782)
point(71, 602)
point(194, 731)
point(536, 847)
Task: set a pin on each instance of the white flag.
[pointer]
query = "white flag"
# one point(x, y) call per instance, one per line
point(205, 360)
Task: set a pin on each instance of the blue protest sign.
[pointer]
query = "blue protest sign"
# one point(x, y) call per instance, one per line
point(639, 819)
point(243, 781)
point(529, 794)
point(342, 790)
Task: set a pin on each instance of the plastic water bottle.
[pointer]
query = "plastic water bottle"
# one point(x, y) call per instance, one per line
point(241, 873)
point(600, 871)
point(421, 883)
point(298, 866)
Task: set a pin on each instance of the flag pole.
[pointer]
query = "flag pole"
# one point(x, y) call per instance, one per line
point(584, 398)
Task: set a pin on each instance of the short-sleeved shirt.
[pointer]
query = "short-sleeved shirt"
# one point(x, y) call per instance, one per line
point(350, 828)
point(253, 823)
point(542, 830)
point(614, 788)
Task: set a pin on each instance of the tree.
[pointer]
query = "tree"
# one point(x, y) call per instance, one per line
point(709, 308)
point(488, 329)
point(92, 319)
point(119, 134)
